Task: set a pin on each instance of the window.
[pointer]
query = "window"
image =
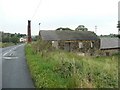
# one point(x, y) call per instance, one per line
point(80, 45)
point(91, 44)
point(53, 41)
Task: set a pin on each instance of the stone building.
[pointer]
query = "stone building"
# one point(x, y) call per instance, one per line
point(75, 41)
point(109, 46)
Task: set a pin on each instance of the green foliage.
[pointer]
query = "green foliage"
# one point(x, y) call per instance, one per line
point(8, 37)
point(63, 29)
point(42, 47)
point(61, 69)
point(2, 45)
point(81, 28)
point(118, 35)
point(5, 39)
point(14, 39)
point(35, 38)
point(111, 35)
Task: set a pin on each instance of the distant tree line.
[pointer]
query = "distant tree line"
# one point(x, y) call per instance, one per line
point(79, 28)
point(111, 35)
point(8, 37)
point(63, 29)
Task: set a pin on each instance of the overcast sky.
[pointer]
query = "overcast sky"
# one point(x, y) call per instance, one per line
point(119, 11)
point(52, 14)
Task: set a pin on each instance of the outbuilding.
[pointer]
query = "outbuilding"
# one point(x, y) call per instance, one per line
point(75, 41)
point(109, 45)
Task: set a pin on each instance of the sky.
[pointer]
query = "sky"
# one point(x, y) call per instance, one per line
point(119, 11)
point(52, 14)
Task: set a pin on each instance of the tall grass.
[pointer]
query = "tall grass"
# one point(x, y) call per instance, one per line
point(2, 45)
point(59, 69)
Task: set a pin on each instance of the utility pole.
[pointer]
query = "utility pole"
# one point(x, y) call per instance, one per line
point(39, 29)
point(96, 29)
point(39, 26)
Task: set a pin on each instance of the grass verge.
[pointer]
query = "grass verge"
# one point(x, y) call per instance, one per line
point(59, 69)
point(2, 45)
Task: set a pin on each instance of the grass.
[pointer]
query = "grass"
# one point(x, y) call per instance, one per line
point(2, 45)
point(59, 69)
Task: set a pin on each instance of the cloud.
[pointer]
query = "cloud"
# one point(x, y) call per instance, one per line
point(56, 13)
point(119, 11)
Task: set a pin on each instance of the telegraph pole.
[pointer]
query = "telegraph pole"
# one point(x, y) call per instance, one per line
point(39, 26)
point(39, 29)
point(96, 29)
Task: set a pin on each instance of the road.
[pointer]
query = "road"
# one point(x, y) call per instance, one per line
point(0, 68)
point(15, 73)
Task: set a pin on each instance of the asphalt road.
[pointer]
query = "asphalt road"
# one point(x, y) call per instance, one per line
point(15, 73)
point(0, 68)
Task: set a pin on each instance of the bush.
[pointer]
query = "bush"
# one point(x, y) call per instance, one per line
point(42, 47)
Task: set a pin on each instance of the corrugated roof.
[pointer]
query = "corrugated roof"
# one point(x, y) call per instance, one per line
point(68, 35)
point(107, 43)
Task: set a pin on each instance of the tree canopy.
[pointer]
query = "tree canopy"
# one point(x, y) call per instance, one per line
point(81, 28)
point(8, 37)
point(67, 29)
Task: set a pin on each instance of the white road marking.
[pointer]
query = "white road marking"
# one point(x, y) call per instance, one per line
point(10, 58)
point(6, 53)
point(11, 50)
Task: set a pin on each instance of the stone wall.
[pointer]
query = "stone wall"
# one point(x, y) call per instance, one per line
point(109, 52)
point(74, 46)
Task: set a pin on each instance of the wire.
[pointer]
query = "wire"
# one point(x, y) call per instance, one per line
point(36, 9)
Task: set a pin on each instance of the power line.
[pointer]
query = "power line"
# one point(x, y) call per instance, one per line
point(36, 9)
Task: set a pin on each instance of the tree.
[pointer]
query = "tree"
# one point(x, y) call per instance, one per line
point(118, 25)
point(8, 37)
point(5, 39)
point(15, 39)
point(118, 36)
point(81, 28)
point(62, 29)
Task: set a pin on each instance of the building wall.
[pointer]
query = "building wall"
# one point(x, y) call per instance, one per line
point(79, 46)
point(86, 47)
point(55, 44)
point(109, 52)
point(68, 45)
point(89, 47)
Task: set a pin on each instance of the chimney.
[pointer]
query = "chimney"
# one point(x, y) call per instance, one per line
point(29, 31)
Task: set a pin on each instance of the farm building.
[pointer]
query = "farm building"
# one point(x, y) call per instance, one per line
point(75, 41)
point(109, 45)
